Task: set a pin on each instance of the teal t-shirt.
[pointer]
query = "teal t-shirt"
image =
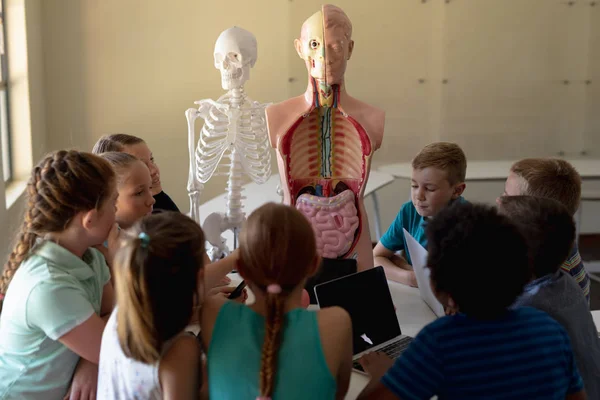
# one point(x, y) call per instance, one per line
point(235, 350)
point(408, 218)
point(52, 292)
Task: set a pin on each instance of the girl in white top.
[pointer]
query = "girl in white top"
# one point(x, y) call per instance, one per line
point(159, 277)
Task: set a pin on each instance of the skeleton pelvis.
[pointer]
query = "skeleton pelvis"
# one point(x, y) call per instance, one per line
point(335, 221)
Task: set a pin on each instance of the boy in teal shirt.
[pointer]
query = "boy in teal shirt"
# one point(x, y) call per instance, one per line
point(438, 179)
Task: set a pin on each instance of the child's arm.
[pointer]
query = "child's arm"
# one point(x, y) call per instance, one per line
point(343, 378)
point(396, 268)
point(213, 301)
point(216, 271)
point(108, 301)
point(85, 339)
point(179, 370)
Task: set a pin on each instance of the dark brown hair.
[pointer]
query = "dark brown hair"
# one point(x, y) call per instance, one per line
point(62, 184)
point(277, 246)
point(446, 156)
point(547, 226)
point(115, 142)
point(552, 178)
point(156, 282)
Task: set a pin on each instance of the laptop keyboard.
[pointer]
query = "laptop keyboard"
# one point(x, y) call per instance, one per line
point(393, 350)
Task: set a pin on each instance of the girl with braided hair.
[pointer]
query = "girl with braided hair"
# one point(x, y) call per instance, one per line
point(55, 287)
point(275, 348)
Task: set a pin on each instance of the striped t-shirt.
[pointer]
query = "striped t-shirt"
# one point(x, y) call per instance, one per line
point(524, 354)
point(574, 267)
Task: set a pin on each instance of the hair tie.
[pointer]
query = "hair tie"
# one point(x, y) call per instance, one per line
point(145, 239)
point(2, 295)
point(273, 288)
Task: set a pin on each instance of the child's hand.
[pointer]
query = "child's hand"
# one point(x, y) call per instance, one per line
point(85, 381)
point(412, 279)
point(450, 310)
point(376, 364)
point(225, 291)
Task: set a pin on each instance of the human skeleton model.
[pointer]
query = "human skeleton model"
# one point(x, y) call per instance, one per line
point(325, 140)
point(232, 141)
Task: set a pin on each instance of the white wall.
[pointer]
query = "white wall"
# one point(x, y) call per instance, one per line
point(98, 67)
point(27, 109)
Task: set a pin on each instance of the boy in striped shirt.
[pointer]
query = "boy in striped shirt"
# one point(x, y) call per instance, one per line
point(479, 265)
point(558, 180)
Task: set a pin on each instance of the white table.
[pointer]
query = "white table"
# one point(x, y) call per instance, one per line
point(596, 316)
point(495, 170)
point(257, 195)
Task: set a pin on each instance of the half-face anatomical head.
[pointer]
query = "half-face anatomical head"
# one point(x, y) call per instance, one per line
point(235, 53)
point(326, 44)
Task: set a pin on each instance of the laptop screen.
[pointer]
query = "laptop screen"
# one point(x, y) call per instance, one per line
point(366, 296)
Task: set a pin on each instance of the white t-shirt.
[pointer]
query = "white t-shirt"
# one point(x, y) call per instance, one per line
point(121, 377)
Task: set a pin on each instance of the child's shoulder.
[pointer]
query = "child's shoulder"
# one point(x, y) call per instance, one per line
point(336, 317)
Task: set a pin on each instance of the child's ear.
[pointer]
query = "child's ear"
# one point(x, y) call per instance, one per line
point(458, 190)
point(89, 219)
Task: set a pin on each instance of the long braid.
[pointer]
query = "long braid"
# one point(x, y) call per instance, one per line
point(277, 252)
point(61, 185)
point(273, 333)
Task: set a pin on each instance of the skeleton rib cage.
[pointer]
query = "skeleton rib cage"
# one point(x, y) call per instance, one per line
point(248, 139)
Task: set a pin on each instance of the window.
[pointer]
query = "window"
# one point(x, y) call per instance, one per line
point(4, 126)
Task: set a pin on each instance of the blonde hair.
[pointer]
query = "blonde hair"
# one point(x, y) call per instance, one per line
point(277, 246)
point(61, 185)
point(552, 178)
point(446, 156)
point(115, 142)
point(121, 162)
point(156, 282)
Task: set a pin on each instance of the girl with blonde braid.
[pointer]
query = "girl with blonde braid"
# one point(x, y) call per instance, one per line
point(275, 348)
point(55, 287)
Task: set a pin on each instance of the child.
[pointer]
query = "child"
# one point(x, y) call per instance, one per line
point(275, 348)
point(438, 179)
point(159, 277)
point(137, 147)
point(134, 186)
point(55, 286)
point(479, 263)
point(557, 180)
point(550, 231)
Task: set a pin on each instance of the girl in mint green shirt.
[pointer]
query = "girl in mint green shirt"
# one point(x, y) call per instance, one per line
point(55, 286)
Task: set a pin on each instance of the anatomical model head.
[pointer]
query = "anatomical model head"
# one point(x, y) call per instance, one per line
point(235, 54)
point(326, 44)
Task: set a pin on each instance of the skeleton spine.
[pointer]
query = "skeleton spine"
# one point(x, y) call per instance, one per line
point(235, 213)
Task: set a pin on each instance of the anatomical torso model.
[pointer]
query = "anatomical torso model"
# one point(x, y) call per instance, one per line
point(232, 141)
point(325, 140)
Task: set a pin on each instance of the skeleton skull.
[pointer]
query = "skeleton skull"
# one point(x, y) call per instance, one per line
point(235, 54)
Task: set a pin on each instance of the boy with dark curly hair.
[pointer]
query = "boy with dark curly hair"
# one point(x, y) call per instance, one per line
point(479, 264)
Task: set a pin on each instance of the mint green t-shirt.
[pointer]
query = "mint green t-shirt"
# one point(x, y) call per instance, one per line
point(52, 292)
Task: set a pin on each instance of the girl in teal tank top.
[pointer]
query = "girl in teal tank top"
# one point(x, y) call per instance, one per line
point(275, 349)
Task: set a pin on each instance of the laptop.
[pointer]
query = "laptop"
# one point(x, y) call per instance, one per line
point(330, 269)
point(366, 297)
point(418, 255)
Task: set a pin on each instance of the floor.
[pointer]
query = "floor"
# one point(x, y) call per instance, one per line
point(589, 247)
